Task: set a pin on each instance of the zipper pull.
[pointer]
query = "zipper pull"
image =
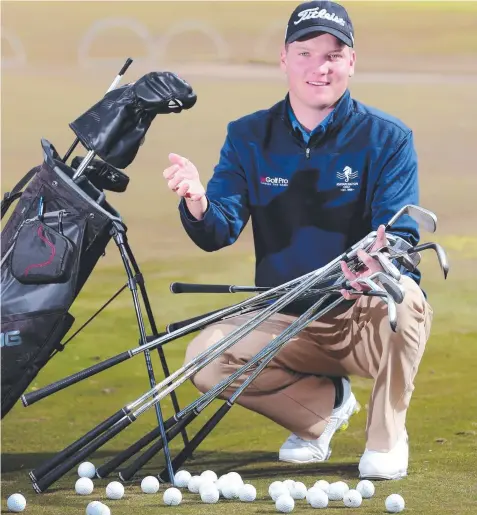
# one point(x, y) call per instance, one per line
point(307, 153)
point(60, 221)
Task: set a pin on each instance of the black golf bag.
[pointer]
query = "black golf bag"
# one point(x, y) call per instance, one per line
point(50, 245)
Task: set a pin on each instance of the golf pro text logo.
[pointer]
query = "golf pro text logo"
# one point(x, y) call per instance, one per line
point(316, 12)
point(274, 181)
point(346, 176)
point(11, 338)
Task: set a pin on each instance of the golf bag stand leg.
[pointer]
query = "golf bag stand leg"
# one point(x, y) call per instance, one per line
point(142, 288)
point(118, 233)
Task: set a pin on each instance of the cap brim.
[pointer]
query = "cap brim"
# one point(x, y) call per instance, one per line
point(321, 28)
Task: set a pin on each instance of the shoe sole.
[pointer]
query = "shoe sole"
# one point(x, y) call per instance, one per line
point(378, 477)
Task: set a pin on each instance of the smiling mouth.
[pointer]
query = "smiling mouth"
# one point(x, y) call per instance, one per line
point(318, 83)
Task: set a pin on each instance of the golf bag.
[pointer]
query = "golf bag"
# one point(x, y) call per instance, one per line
point(50, 245)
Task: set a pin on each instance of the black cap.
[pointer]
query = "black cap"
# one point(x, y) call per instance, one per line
point(328, 17)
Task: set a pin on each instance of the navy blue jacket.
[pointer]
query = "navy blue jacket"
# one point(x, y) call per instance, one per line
point(308, 202)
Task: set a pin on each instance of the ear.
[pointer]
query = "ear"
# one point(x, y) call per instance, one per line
point(283, 59)
point(352, 62)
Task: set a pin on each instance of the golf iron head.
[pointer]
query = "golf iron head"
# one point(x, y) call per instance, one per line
point(425, 218)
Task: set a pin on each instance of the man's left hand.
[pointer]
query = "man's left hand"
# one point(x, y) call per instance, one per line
point(371, 265)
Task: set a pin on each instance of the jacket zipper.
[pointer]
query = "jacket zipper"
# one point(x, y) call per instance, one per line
point(307, 152)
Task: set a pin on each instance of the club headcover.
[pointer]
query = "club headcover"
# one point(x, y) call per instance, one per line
point(115, 127)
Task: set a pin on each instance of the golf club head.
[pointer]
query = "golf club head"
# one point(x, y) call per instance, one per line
point(387, 265)
point(390, 285)
point(441, 255)
point(392, 313)
point(376, 290)
point(425, 218)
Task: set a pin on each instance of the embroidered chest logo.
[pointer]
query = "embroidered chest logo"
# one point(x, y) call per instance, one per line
point(346, 178)
point(274, 181)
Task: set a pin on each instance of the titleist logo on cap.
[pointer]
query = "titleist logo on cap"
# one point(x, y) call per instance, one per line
point(316, 12)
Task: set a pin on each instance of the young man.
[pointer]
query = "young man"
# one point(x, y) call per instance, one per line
point(315, 173)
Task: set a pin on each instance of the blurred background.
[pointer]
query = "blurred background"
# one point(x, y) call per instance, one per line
point(415, 60)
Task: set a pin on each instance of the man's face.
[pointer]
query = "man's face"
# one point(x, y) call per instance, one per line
point(318, 70)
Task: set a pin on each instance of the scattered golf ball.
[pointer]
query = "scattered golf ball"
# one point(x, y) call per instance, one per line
point(322, 485)
point(352, 499)
point(94, 508)
point(16, 502)
point(298, 490)
point(105, 509)
point(182, 478)
point(337, 490)
point(235, 477)
point(172, 496)
point(365, 488)
point(394, 503)
point(317, 498)
point(87, 469)
point(247, 493)
point(114, 490)
point(150, 485)
point(231, 490)
point(210, 495)
point(285, 503)
point(278, 491)
point(194, 484)
point(209, 474)
point(289, 484)
point(207, 484)
point(84, 486)
point(274, 486)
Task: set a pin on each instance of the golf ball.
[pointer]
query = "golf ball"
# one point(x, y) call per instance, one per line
point(172, 496)
point(194, 484)
point(235, 476)
point(105, 510)
point(87, 469)
point(317, 498)
point(247, 493)
point(352, 499)
point(322, 485)
point(94, 508)
point(209, 474)
point(337, 490)
point(84, 486)
point(289, 484)
point(16, 502)
point(150, 485)
point(114, 490)
point(209, 495)
point(285, 503)
point(274, 486)
point(365, 488)
point(207, 484)
point(182, 478)
point(278, 491)
point(394, 503)
point(230, 490)
point(298, 490)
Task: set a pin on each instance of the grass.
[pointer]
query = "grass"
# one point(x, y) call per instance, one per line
point(442, 421)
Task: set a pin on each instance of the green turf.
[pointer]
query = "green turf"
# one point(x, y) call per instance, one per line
point(442, 421)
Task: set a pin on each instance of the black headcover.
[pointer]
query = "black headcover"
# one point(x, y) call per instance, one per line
point(115, 127)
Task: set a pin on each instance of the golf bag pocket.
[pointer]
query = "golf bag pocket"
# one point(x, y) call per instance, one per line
point(41, 254)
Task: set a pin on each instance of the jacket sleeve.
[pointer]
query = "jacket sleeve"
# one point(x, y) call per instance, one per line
point(398, 186)
point(228, 205)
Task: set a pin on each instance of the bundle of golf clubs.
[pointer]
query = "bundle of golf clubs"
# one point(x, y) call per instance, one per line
point(323, 285)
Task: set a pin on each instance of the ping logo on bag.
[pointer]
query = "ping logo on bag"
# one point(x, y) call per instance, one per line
point(11, 338)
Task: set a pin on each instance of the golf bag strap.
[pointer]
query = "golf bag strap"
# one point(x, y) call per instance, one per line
point(16, 193)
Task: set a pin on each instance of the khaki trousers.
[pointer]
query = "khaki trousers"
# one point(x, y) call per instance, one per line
point(294, 390)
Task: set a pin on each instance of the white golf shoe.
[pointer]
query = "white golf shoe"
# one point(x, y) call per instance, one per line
point(298, 450)
point(386, 465)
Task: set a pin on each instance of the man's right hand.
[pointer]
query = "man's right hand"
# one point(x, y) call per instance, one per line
point(183, 178)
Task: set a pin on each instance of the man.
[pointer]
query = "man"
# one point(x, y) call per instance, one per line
point(315, 173)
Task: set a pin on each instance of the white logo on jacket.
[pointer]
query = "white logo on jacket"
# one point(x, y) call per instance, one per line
point(316, 12)
point(347, 175)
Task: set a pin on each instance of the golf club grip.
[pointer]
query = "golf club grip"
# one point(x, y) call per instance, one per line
point(108, 467)
point(203, 432)
point(200, 288)
point(50, 464)
point(179, 325)
point(32, 397)
point(147, 456)
point(47, 480)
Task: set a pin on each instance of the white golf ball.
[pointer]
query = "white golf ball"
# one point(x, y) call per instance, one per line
point(194, 484)
point(337, 490)
point(279, 491)
point(114, 490)
point(230, 490)
point(235, 476)
point(150, 485)
point(285, 503)
point(317, 498)
point(352, 499)
point(275, 485)
point(172, 497)
point(209, 495)
point(105, 510)
point(289, 484)
point(298, 490)
point(207, 484)
point(394, 503)
point(247, 493)
point(209, 474)
point(182, 478)
point(322, 485)
point(87, 469)
point(365, 488)
point(16, 502)
point(94, 508)
point(84, 486)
